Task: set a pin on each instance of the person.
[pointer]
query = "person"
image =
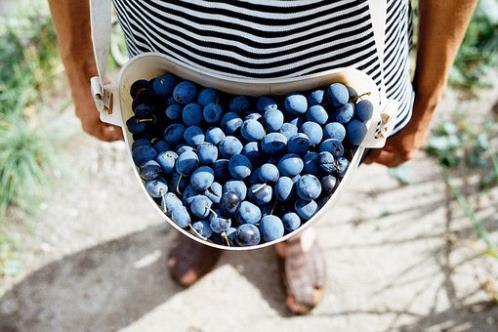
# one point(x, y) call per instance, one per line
point(262, 39)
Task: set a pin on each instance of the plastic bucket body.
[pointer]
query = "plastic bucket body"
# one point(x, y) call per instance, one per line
point(150, 65)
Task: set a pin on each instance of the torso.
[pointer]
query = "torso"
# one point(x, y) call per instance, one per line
point(275, 38)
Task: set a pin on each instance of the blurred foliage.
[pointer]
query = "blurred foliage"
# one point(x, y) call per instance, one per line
point(27, 140)
point(479, 51)
point(462, 145)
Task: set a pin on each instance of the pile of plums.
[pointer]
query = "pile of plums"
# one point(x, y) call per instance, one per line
point(238, 170)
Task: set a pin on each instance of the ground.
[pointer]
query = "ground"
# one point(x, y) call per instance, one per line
point(400, 258)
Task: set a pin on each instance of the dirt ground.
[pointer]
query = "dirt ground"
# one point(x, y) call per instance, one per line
point(400, 258)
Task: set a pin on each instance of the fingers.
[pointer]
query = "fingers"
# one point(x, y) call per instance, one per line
point(110, 133)
point(384, 157)
point(103, 132)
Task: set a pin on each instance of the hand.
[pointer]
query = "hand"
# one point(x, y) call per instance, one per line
point(404, 145)
point(90, 118)
point(91, 124)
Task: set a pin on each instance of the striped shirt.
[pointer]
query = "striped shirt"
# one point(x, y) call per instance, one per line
point(276, 38)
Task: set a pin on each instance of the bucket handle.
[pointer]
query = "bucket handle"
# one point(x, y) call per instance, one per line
point(102, 92)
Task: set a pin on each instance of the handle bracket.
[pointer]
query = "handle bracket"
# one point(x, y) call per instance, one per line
point(381, 126)
point(103, 96)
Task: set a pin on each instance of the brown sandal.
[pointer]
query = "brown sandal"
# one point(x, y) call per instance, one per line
point(303, 275)
point(188, 260)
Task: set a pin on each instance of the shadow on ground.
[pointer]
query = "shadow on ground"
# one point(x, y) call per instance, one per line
point(104, 284)
point(111, 285)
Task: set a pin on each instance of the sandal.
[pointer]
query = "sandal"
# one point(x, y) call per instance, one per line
point(303, 275)
point(188, 260)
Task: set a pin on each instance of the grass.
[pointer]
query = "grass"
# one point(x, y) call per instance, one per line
point(28, 53)
point(27, 135)
point(470, 148)
point(479, 51)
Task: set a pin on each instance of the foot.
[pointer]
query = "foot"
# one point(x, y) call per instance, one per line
point(188, 260)
point(302, 268)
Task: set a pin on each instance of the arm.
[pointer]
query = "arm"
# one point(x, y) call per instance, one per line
point(442, 26)
point(72, 23)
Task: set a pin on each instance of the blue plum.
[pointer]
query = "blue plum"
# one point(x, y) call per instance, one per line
point(265, 103)
point(326, 162)
point(247, 235)
point(230, 146)
point(174, 112)
point(284, 188)
point(311, 162)
point(261, 193)
point(268, 173)
point(252, 130)
point(364, 110)
point(192, 115)
point(193, 135)
point(163, 85)
point(185, 92)
point(337, 95)
point(212, 113)
point(274, 143)
point(289, 130)
point(318, 114)
point(239, 104)
point(207, 96)
point(215, 135)
point(305, 209)
point(248, 213)
point(291, 221)
point(207, 152)
point(290, 165)
point(236, 186)
point(334, 130)
point(298, 144)
point(143, 153)
point(274, 119)
point(173, 134)
point(356, 132)
point(271, 228)
point(314, 132)
point(239, 167)
point(202, 178)
point(344, 114)
point(308, 187)
point(186, 163)
point(333, 146)
point(296, 104)
point(150, 170)
point(157, 188)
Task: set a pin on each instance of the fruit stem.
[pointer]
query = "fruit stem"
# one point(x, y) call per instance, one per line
point(145, 120)
point(225, 237)
point(196, 232)
point(274, 206)
point(178, 184)
point(213, 212)
point(163, 201)
point(362, 95)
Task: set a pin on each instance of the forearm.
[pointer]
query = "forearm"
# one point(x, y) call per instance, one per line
point(442, 26)
point(72, 23)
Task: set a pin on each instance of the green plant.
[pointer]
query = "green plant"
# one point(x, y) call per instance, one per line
point(29, 55)
point(479, 51)
point(468, 147)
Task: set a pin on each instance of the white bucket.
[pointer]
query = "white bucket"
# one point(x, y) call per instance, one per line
point(150, 65)
point(113, 100)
